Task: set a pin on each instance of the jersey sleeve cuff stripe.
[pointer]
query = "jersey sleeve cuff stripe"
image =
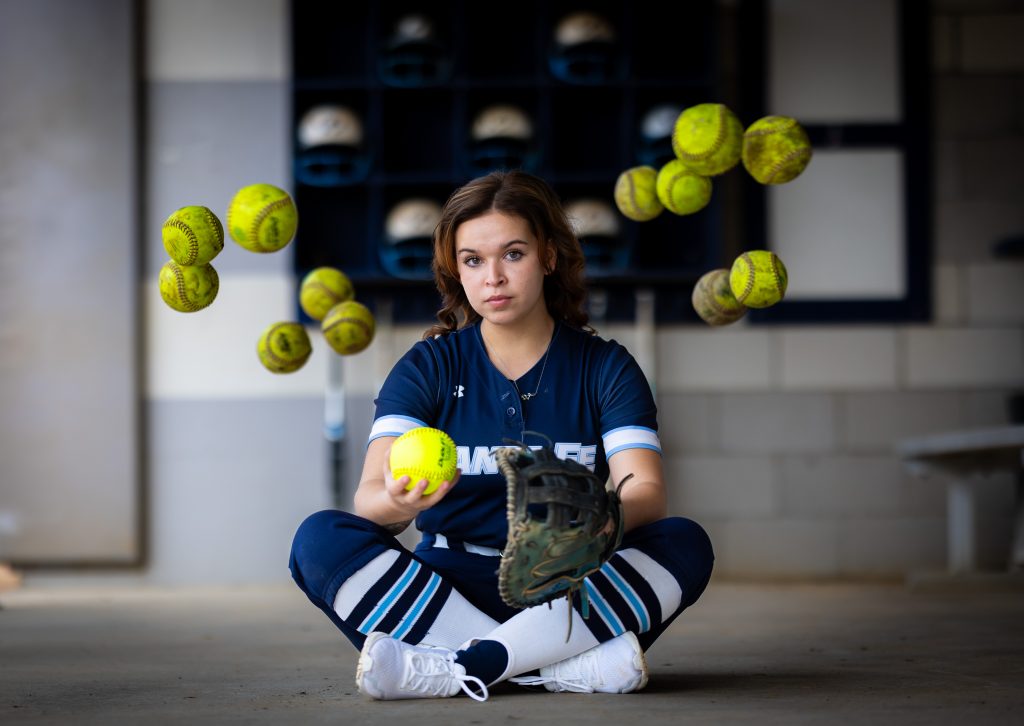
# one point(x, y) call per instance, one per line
point(631, 437)
point(626, 447)
point(393, 426)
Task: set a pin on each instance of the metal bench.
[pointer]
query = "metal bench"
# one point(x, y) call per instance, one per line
point(960, 458)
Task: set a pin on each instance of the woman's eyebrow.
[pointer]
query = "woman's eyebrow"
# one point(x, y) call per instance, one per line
point(504, 246)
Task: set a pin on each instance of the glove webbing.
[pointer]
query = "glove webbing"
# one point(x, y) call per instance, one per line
point(558, 494)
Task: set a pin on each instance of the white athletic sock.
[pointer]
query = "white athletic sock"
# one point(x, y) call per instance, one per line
point(536, 637)
point(630, 592)
point(395, 594)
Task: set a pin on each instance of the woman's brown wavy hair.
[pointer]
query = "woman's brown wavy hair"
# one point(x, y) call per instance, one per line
point(518, 194)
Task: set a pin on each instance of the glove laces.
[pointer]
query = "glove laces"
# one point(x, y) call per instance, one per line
point(433, 672)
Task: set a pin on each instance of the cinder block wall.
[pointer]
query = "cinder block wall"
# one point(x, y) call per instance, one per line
point(780, 441)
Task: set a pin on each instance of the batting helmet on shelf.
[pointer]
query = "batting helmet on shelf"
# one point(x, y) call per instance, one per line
point(407, 248)
point(599, 231)
point(584, 49)
point(501, 136)
point(414, 54)
point(331, 149)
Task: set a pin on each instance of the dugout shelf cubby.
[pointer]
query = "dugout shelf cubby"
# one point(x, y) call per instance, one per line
point(417, 109)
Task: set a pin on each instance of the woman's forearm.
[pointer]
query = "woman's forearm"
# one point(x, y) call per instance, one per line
point(372, 502)
point(642, 503)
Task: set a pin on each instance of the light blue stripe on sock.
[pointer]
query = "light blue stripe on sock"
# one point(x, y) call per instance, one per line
point(377, 615)
point(627, 592)
point(606, 613)
point(410, 618)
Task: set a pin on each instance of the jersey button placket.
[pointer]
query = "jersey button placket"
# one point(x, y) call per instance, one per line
point(513, 414)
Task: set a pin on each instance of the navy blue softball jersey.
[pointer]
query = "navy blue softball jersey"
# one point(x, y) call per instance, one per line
point(592, 401)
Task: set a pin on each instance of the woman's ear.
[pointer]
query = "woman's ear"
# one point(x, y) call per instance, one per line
point(552, 255)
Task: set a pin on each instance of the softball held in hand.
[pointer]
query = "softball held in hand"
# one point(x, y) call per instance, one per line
point(758, 279)
point(262, 218)
point(424, 453)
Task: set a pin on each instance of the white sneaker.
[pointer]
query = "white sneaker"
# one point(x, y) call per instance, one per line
point(390, 669)
point(615, 666)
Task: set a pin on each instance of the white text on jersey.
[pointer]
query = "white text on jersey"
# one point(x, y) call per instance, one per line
point(481, 459)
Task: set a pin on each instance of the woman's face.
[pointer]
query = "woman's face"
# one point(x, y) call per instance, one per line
point(500, 268)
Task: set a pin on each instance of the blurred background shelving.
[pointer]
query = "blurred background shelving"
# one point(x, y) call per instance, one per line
point(418, 94)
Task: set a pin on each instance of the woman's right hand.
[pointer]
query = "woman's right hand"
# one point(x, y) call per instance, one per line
point(413, 500)
point(382, 499)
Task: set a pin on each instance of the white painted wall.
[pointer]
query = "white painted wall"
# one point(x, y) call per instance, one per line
point(217, 40)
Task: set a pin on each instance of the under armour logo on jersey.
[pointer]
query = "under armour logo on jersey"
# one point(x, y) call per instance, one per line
point(458, 391)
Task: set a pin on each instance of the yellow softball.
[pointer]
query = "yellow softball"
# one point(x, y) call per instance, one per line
point(713, 300)
point(708, 138)
point(284, 347)
point(758, 279)
point(188, 288)
point(776, 149)
point(636, 193)
point(322, 289)
point(193, 235)
point(348, 327)
point(262, 218)
point(681, 190)
point(424, 453)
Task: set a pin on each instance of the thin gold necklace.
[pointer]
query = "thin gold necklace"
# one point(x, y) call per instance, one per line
point(544, 367)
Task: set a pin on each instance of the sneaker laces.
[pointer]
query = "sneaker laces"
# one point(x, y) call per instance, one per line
point(573, 674)
point(433, 673)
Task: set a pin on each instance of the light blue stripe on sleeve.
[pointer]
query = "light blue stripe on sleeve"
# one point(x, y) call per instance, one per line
point(393, 426)
point(626, 447)
point(630, 437)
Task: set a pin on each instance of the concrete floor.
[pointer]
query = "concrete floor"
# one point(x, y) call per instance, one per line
point(846, 654)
